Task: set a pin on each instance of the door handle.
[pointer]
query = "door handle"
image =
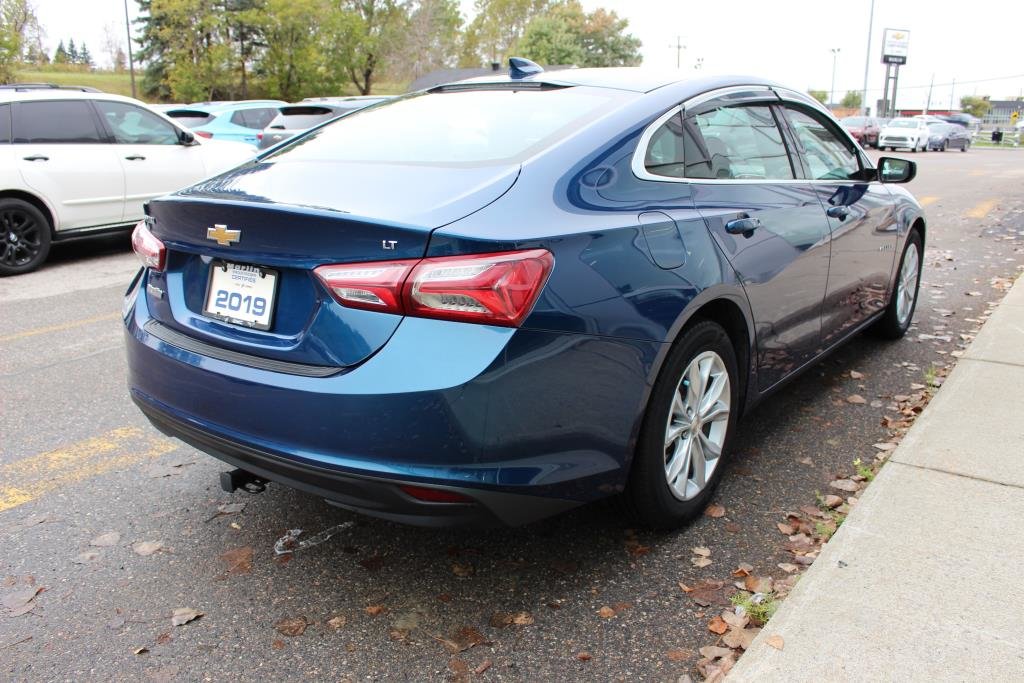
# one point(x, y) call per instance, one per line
point(36, 157)
point(743, 225)
point(840, 212)
point(136, 157)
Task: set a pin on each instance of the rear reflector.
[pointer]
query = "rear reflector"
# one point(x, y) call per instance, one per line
point(430, 495)
point(148, 248)
point(493, 289)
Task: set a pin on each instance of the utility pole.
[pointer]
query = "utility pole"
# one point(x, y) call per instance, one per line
point(131, 58)
point(835, 55)
point(952, 93)
point(867, 61)
point(928, 102)
point(678, 47)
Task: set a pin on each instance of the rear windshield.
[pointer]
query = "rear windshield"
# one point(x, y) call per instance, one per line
point(461, 127)
point(903, 123)
point(854, 121)
point(189, 118)
point(300, 118)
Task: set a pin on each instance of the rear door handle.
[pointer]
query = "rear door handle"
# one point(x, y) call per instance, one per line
point(136, 157)
point(742, 225)
point(36, 157)
point(840, 212)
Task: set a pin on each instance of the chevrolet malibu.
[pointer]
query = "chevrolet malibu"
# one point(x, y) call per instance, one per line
point(498, 299)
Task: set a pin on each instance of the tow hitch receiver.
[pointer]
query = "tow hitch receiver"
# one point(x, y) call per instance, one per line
point(232, 480)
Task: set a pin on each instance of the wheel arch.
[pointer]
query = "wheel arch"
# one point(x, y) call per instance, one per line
point(35, 201)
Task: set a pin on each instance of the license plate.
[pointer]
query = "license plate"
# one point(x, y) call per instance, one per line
point(241, 294)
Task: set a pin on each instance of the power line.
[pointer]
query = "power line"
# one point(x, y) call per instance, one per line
point(950, 83)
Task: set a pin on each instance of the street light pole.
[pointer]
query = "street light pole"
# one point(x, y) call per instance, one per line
point(835, 55)
point(867, 62)
point(131, 58)
point(678, 47)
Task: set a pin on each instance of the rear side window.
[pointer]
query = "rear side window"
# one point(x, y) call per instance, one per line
point(190, 118)
point(5, 124)
point(55, 122)
point(257, 119)
point(828, 156)
point(456, 128)
point(300, 118)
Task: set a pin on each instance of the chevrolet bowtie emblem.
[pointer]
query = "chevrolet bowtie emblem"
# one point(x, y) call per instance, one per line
point(222, 236)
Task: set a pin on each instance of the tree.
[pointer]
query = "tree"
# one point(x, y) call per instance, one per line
point(852, 99)
point(565, 35)
point(243, 20)
point(113, 47)
point(820, 95)
point(432, 40)
point(493, 34)
point(84, 58)
point(19, 29)
point(60, 55)
point(365, 36)
point(975, 106)
point(73, 55)
point(292, 64)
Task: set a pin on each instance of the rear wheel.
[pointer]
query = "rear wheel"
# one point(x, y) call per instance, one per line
point(964, 148)
point(900, 311)
point(24, 237)
point(686, 431)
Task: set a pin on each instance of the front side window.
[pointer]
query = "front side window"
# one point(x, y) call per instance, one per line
point(134, 125)
point(55, 122)
point(826, 154)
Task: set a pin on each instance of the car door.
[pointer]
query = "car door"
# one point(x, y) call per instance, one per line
point(150, 151)
point(61, 152)
point(860, 216)
point(769, 223)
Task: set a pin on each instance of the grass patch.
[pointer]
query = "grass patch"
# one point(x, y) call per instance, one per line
point(107, 81)
point(759, 610)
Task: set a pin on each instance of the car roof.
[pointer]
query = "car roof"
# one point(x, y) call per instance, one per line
point(31, 95)
point(633, 79)
point(218, 107)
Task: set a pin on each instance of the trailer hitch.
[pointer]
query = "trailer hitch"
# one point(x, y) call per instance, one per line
point(232, 480)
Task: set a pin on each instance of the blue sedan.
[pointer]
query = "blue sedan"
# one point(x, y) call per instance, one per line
point(502, 298)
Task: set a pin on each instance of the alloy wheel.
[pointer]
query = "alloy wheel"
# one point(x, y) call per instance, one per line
point(20, 239)
point(906, 286)
point(697, 425)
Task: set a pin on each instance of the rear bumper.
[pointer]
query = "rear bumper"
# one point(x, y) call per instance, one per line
point(526, 423)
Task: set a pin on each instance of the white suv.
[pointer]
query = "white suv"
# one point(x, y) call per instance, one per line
point(75, 163)
point(905, 133)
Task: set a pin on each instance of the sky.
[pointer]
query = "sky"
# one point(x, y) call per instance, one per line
point(789, 41)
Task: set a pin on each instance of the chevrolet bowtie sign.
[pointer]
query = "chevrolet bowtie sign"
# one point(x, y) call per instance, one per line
point(222, 235)
point(895, 45)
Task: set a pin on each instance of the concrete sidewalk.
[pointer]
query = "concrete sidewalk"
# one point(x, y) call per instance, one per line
point(925, 578)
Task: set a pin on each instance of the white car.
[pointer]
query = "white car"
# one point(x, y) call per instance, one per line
point(75, 163)
point(905, 133)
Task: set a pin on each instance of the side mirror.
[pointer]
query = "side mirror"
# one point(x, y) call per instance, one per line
point(186, 138)
point(892, 170)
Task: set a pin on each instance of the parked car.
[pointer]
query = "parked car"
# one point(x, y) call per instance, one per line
point(905, 133)
point(943, 136)
point(863, 129)
point(232, 121)
point(971, 123)
point(76, 163)
point(296, 118)
point(494, 300)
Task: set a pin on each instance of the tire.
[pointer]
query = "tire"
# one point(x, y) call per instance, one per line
point(945, 146)
point(893, 325)
point(24, 237)
point(648, 497)
point(964, 148)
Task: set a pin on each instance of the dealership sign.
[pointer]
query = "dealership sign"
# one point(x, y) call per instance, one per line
point(895, 43)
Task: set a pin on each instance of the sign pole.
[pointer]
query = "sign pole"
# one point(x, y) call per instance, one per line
point(885, 93)
point(895, 82)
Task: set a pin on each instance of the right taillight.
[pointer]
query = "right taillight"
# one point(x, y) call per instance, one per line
point(494, 289)
point(203, 134)
point(148, 247)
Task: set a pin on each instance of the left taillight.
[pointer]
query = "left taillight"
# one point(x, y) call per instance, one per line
point(493, 289)
point(149, 249)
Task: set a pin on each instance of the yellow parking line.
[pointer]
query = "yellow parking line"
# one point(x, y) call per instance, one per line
point(25, 480)
point(61, 327)
point(925, 201)
point(982, 209)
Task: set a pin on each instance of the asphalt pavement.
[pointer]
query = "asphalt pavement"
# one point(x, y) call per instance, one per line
point(118, 526)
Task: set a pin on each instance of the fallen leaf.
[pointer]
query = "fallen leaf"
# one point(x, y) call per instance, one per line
point(465, 638)
point(700, 561)
point(788, 567)
point(108, 539)
point(21, 602)
point(714, 652)
point(86, 557)
point(887, 446)
point(374, 610)
point(856, 375)
point(227, 509)
point(500, 620)
point(743, 569)
point(291, 626)
point(732, 527)
point(740, 637)
point(147, 548)
point(785, 528)
point(278, 644)
point(718, 626)
point(856, 399)
point(707, 593)
point(482, 667)
point(758, 584)
point(833, 501)
point(522, 619)
point(606, 612)
point(806, 461)
point(775, 641)
point(735, 621)
point(140, 650)
point(677, 655)
point(239, 560)
point(844, 485)
point(703, 552)
point(183, 615)
point(714, 510)
point(462, 570)
point(584, 656)
point(337, 622)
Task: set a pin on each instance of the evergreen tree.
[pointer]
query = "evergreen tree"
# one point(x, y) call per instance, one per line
point(60, 55)
point(72, 52)
point(84, 57)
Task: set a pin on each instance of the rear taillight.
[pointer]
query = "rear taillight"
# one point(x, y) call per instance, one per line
point(431, 495)
point(259, 136)
point(494, 289)
point(150, 249)
point(203, 134)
